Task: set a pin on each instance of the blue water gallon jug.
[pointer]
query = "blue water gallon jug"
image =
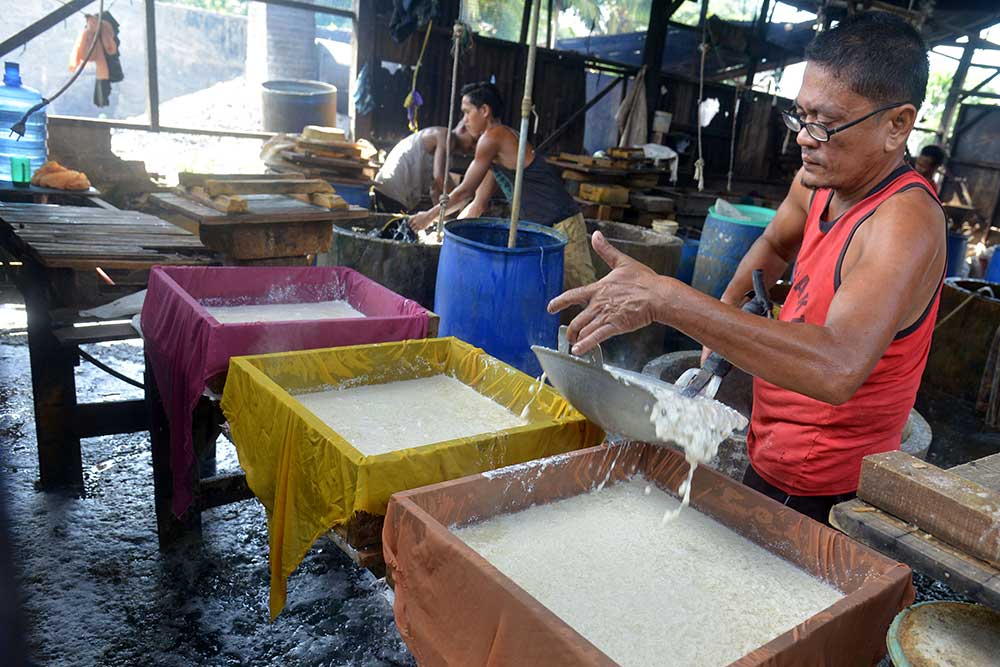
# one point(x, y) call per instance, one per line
point(15, 99)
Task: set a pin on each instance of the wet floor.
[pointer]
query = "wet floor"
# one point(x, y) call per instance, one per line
point(96, 590)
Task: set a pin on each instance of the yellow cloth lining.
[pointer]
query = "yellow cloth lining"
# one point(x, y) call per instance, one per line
point(310, 479)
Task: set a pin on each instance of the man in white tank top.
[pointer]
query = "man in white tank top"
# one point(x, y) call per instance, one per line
point(414, 168)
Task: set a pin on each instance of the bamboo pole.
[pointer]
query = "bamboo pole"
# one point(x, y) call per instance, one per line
point(456, 46)
point(522, 142)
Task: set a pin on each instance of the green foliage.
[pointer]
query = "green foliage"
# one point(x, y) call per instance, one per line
point(238, 7)
point(610, 18)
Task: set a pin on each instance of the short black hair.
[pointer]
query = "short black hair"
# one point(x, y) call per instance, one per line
point(879, 55)
point(934, 152)
point(484, 92)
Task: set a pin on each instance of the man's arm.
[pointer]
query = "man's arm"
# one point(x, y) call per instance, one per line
point(440, 148)
point(884, 290)
point(483, 193)
point(775, 248)
point(486, 150)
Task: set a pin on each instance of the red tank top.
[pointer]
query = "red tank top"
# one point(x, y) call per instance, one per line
point(810, 448)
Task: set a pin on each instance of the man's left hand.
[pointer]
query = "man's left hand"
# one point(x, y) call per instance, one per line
point(420, 221)
point(628, 298)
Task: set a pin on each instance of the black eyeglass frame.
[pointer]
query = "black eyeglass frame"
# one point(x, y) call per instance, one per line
point(795, 124)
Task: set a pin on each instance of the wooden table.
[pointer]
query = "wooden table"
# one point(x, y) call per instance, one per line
point(921, 551)
point(39, 195)
point(61, 249)
point(276, 230)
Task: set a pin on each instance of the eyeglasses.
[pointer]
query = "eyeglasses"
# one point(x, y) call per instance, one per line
point(821, 132)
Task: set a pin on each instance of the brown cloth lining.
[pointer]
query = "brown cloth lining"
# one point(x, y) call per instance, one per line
point(453, 608)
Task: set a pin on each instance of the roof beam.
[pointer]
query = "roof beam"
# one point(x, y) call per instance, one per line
point(42, 24)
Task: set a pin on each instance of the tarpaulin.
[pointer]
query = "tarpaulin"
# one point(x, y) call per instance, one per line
point(186, 346)
point(453, 607)
point(311, 479)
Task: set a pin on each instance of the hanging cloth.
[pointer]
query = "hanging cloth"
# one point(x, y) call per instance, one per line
point(102, 86)
point(631, 115)
point(115, 72)
point(408, 15)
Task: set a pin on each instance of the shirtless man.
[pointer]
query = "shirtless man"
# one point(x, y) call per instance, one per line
point(544, 199)
point(414, 168)
point(837, 374)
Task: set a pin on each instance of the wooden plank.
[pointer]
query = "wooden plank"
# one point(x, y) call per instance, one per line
point(926, 554)
point(954, 509)
point(262, 209)
point(96, 419)
point(321, 133)
point(984, 471)
point(643, 181)
point(627, 153)
point(604, 171)
point(325, 160)
point(96, 333)
point(220, 490)
point(580, 177)
point(601, 193)
point(433, 324)
point(367, 557)
point(327, 200)
point(651, 203)
point(281, 186)
point(221, 203)
point(188, 179)
point(321, 147)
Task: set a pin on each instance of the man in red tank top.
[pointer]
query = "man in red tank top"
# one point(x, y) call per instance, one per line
point(837, 374)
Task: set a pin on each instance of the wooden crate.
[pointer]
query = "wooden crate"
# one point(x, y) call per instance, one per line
point(603, 193)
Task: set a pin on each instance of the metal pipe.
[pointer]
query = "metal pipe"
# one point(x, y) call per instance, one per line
point(41, 25)
point(110, 371)
point(522, 140)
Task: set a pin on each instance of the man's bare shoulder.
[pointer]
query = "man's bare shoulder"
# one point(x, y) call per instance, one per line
point(911, 212)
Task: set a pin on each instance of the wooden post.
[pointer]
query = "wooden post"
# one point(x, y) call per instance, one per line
point(757, 43)
point(53, 387)
point(525, 20)
point(363, 43)
point(169, 528)
point(652, 54)
point(152, 80)
point(955, 92)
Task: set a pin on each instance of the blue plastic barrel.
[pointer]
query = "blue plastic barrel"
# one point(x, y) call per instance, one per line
point(15, 100)
point(993, 268)
point(352, 193)
point(724, 241)
point(495, 297)
point(689, 253)
point(957, 244)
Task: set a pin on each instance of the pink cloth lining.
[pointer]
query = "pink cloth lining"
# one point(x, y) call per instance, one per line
point(186, 346)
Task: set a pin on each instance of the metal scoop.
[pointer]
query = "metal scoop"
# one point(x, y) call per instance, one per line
point(614, 404)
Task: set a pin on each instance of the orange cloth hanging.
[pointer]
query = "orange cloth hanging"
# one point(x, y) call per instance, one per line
point(98, 56)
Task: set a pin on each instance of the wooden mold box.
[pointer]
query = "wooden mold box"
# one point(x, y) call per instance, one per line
point(453, 604)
